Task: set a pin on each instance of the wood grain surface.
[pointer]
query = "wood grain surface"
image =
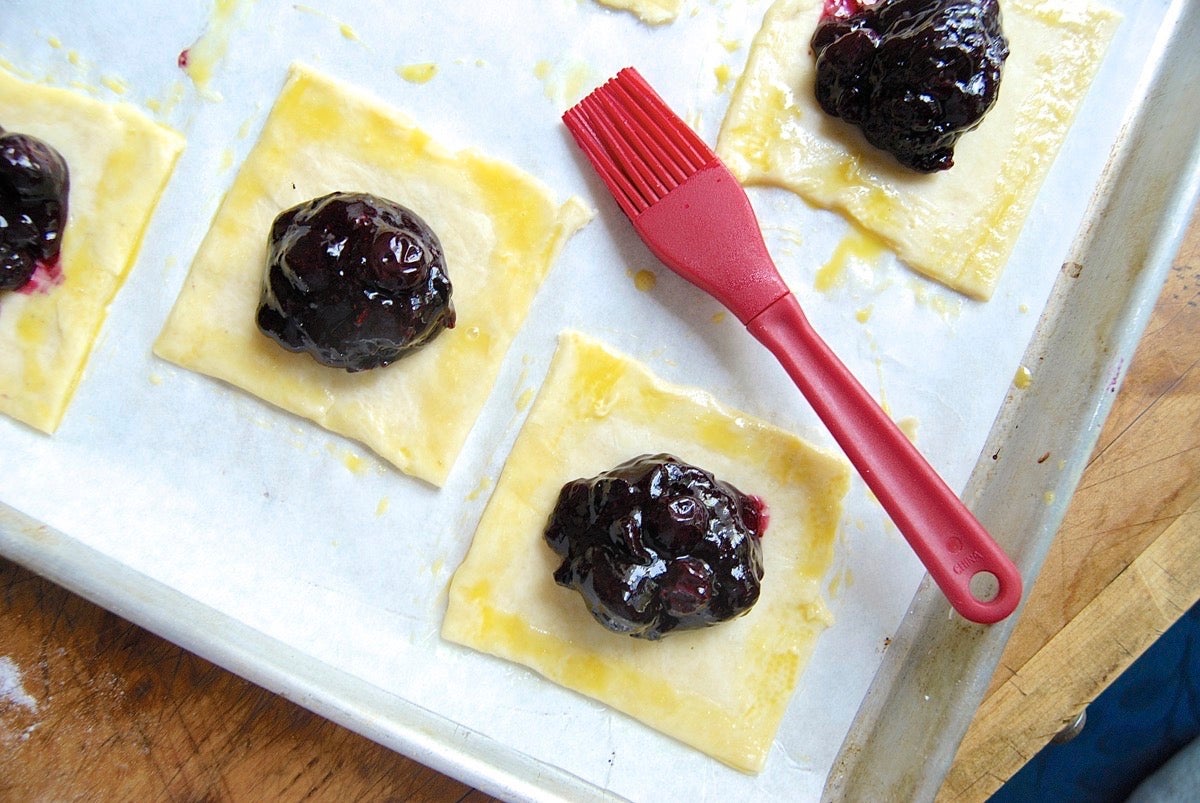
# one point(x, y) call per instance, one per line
point(93, 707)
point(108, 711)
point(1124, 566)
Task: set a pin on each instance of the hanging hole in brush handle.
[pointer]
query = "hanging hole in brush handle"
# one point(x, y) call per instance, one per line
point(978, 579)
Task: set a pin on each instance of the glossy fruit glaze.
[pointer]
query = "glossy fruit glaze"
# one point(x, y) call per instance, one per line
point(656, 545)
point(355, 280)
point(914, 75)
point(34, 184)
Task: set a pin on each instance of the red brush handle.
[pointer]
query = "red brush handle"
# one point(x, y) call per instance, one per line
point(949, 540)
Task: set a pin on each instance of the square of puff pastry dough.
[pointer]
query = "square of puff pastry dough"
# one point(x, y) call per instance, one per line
point(500, 228)
point(119, 161)
point(722, 689)
point(957, 226)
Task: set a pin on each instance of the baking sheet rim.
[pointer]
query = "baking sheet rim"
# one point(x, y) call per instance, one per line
point(353, 703)
point(972, 652)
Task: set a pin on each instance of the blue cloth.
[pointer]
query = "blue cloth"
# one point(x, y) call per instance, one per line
point(1177, 781)
point(1134, 727)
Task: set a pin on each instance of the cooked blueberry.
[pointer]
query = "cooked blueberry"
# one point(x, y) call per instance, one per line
point(355, 280)
point(34, 183)
point(657, 545)
point(914, 75)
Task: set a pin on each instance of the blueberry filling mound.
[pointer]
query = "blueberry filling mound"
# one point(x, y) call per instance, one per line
point(34, 183)
point(656, 545)
point(355, 280)
point(913, 75)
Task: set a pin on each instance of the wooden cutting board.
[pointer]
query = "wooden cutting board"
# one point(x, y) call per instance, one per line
point(92, 707)
point(1124, 566)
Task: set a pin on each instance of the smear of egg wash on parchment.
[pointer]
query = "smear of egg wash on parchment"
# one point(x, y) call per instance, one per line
point(726, 74)
point(857, 248)
point(201, 58)
point(651, 12)
point(355, 463)
point(946, 303)
point(344, 29)
point(484, 485)
point(1023, 378)
point(565, 81)
point(420, 73)
point(644, 280)
point(909, 426)
point(525, 397)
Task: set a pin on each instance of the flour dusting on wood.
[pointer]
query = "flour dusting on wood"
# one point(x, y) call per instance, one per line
point(13, 696)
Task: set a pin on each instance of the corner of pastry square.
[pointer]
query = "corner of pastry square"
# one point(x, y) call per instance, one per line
point(723, 689)
point(958, 226)
point(118, 162)
point(501, 230)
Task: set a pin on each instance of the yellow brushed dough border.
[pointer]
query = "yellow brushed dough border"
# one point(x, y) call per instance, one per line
point(501, 230)
point(723, 689)
point(958, 226)
point(119, 162)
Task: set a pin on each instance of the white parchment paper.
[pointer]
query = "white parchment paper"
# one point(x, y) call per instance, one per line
point(311, 539)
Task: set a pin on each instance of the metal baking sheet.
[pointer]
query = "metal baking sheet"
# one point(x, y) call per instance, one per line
point(302, 562)
point(938, 667)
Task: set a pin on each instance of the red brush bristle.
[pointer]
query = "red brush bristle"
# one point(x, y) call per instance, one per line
point(639, 147)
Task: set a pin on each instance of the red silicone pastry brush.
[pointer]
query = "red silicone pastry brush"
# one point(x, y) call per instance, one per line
point(693, 214)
